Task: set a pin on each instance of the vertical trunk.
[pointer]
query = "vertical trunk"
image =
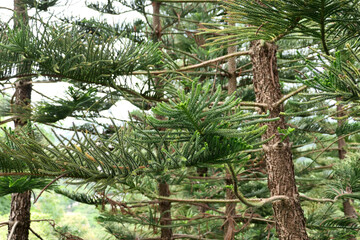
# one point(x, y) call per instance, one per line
point(230, 210)
point(232, 71)
point(289, 217)
point(19, 219)
point(156, 24)
point(165, 211)
point(349, 210)
point(163, 187)
point(341, 142)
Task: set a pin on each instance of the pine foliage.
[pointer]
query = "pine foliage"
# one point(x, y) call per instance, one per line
point(63, 51)
point(204, 131)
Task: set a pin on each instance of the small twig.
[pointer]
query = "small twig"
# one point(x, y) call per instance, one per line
point(257, 31)
point(7, 9)
point(251, 104)
point(24, 174)
point(4, 223)
point(44, 220)
point(37, 235)
point(48, 185)
point(317, 199)
point(12, 230)
point(9, 120)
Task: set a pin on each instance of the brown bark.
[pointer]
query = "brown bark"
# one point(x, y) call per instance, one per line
point(156, 23)
point(341, 141)
point(349, 210)
point(232, 70)
point(20, 216)
point(289, 217)
point(230, 209)
point(20, 202)
point(19, 219)
point(165, 211)
point(163, 187)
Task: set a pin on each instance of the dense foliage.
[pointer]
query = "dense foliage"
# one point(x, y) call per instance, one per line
point(194, 166)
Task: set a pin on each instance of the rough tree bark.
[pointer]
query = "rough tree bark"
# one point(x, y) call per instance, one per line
point(230, 209)
point(19, 219)
point(165, 211)
point(289, 217)
point(156, 23)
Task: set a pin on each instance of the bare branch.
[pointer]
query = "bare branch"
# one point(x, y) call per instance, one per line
point(317, 199)
point(203, 64)
point(37, 235)
point(8, 120)
point(287, 96)
point(12, 230)
point(48, 185)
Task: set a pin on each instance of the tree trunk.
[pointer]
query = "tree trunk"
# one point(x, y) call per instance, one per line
point(289, 217)
point(230, 209)
point(349, 210)
point(19, 219)
point(232, 71)
point(165, 211)
point(163, 187)
point(156, 23)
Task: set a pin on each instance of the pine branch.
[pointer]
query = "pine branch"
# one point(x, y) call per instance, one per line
point(203, 64)
point(48, 185)
point(287, 96)
point(8, 120)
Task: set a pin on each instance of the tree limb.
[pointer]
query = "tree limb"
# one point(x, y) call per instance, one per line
point(287, 96)
point(203, 64)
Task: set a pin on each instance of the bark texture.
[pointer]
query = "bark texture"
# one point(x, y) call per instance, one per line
point(349, 210)
point(289, 217)
point(165, 211)
point(232, 71)
point(156, 23)
point(230, 209)
point(19, 219)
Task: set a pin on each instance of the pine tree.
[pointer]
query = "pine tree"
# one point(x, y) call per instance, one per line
point(281, 20)
point(19, 219)
point(200, 127)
